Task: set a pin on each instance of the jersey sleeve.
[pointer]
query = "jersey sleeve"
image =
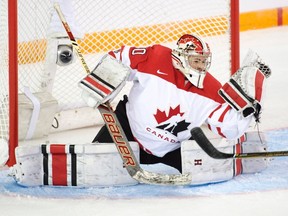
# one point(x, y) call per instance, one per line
point(131, 56)
point(223, 120)
point(227, 122)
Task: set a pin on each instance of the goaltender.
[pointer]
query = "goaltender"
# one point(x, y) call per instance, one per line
point(172, 93)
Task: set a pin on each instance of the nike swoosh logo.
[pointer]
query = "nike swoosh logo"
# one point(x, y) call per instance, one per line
point(160, 72)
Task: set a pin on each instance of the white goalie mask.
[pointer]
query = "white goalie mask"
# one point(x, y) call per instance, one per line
point(193, 58)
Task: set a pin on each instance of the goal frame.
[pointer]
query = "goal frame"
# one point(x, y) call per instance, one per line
point(13, 66)
point(13, 79)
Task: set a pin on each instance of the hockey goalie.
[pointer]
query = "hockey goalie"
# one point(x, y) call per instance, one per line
point(172, 93)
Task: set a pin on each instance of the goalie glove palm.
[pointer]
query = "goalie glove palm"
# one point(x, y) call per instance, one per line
point(244, 91)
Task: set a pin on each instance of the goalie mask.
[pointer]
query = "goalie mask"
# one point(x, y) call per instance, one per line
point(193, 58)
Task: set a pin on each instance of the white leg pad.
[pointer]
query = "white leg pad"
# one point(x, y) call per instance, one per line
point(82, 165)
point(253, 143)
point(205, 169)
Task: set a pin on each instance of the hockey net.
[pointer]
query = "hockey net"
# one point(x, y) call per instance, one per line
point(100, 26)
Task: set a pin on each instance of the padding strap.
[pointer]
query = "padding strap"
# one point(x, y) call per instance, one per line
point(35, 112)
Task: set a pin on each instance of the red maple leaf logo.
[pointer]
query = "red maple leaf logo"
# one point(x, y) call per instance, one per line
point(161, 116)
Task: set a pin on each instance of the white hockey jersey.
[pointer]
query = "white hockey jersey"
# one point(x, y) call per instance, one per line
point(163, 106)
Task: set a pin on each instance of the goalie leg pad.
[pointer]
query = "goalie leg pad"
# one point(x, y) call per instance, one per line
point(202, 167)
point(205, 169)
point(254, 142)
point(82, 165)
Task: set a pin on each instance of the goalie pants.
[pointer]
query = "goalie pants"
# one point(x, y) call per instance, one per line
point(171, 159)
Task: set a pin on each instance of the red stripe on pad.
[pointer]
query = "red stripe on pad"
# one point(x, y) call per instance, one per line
point(97, 85)
point(59, 164)
point(238, 162)
point(259, 85)
point(234, 95)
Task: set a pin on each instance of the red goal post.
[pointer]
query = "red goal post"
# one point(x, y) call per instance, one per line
point(30, 41)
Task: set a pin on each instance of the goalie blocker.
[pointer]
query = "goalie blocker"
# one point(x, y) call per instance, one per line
point(86, 165)
point(104, 82)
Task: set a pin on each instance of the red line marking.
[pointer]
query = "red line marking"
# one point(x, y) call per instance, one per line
point(279, 16)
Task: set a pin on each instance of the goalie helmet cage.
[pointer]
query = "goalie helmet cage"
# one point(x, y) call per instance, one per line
point(31, 35)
